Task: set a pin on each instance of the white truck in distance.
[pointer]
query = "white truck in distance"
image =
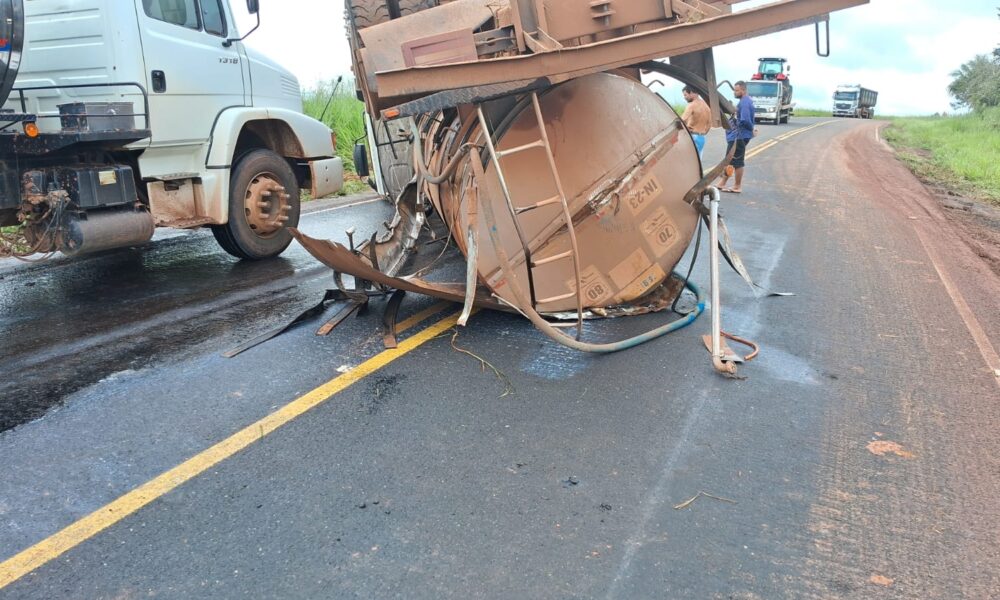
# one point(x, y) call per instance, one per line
point(127, 115)
point(771, 90)
point(771, 100)
point(854, 101)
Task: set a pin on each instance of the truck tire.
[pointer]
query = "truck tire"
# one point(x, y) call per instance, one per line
point(263, 203)
point(396, 160)
point(408, 7)
point(366, 13)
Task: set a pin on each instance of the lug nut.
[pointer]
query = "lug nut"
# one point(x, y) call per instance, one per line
point(283, 218)
point(264, 205)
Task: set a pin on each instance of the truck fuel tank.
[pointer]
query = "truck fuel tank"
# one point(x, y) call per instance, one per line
point(105, 230)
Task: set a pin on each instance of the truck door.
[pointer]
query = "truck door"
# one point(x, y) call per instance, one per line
point(191, 76)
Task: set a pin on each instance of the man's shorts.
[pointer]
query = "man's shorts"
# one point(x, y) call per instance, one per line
point(699, 143)
point(740, 158)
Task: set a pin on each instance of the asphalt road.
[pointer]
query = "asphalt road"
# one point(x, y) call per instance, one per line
point(856, 458)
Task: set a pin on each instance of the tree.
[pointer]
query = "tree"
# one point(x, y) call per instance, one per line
point(996, 51)
point(976, 84)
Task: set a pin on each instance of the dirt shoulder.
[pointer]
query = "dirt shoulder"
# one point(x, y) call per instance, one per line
point(960, 236)
point(976, 221)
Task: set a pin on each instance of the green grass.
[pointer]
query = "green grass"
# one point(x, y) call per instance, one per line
point(811, 112)
point(345, 116)
point(13, 240)
point(962, 152)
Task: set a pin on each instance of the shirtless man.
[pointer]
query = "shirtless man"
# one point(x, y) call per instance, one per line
point(698, 118)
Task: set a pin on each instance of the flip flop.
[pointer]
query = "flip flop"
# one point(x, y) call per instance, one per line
point(731, 191)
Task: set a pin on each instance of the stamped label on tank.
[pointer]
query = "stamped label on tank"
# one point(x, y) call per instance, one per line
point(661, 232)
point(630, 268)
point(107, 177)
point(647, 281)
point(643, 194)
point(595, 287)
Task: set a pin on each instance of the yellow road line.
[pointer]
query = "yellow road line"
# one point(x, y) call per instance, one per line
point(423, 315)
point(795, 132)
point(774, 141)
point(761, 148)
point(78, 532)
point(57, 544)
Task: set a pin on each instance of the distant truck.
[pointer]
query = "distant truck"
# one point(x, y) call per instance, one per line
point(854, 101)
point(771, 100)
point(771, 90)
point(124, 115)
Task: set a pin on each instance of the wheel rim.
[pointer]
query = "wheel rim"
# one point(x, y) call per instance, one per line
point(266, 205)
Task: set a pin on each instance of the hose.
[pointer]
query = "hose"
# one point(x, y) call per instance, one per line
point(755, 349)
point(445, 173)
point(544, 326)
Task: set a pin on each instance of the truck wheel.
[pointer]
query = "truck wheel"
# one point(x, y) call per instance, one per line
point(263, 204)
point(367, 13)
point(408, 7)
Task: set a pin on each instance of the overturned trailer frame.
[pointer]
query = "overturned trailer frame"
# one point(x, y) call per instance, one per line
point(571, 190)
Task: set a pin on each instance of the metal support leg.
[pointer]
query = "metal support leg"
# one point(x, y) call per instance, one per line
point(718, 354)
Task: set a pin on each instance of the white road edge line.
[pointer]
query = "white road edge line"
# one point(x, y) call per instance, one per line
point(979, 336)
point(359, 203)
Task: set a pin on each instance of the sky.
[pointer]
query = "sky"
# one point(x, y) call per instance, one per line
point(904, 49)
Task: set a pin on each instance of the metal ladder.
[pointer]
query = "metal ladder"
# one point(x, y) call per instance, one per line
point(516, 211)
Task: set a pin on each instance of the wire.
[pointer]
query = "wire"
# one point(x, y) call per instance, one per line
point(687, 278)
point(333, 95)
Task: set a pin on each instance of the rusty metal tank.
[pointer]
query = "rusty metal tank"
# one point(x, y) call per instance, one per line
point(625, 162)
point(570, 188)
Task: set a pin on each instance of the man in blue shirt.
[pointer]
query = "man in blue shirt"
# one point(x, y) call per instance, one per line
point(741, 131)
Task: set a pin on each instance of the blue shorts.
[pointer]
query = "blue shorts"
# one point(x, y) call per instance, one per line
point(699, 143)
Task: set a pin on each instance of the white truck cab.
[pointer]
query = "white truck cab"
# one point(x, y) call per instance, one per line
point(153, 113)
point(854, 101)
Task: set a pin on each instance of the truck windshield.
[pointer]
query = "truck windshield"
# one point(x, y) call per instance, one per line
point(762, 90)
point(771, 68)
point(848, 96)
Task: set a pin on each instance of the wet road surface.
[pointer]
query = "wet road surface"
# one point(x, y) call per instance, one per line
point(857, 459)
point(69, 324)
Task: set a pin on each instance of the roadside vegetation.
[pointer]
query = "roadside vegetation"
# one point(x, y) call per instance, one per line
point(960, 151)
point(344, 114)
point(811, 112)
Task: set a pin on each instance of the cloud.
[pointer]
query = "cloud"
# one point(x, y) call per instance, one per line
point(904, 50)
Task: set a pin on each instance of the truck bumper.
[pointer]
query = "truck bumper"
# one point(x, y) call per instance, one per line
point(327, 177)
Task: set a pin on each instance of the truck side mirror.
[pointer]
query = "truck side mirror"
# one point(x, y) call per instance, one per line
point(361, 160)
point(254, 7)
point(788, 68)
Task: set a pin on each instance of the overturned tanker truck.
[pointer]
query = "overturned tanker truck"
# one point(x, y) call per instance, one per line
point(570, 188)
